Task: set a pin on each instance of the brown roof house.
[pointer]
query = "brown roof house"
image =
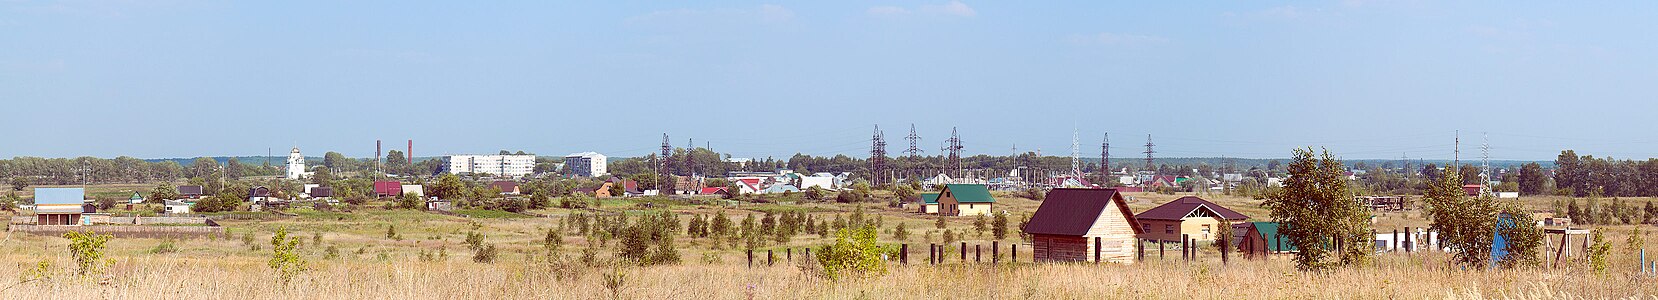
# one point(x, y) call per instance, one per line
point(1079, 224)
point(506, 187)
point(1190, 215)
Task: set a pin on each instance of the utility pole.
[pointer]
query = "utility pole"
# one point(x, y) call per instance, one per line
point(1456, 151)
point(877, 158)
point(914, 152)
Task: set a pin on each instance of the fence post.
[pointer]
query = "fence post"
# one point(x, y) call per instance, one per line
point(1139, 250)
point(996, 252)
point(1410, 246)
point(808, 253)
point(904, 254)
point(976, 254)
point(1160, 250)
point(963, 251)
point(751, 258)
point(1184, 243)
point(932, 254)
point(768, 258)
point(1013, 255)
point(1096, 250)
point(790, 254)
point(1395, 240)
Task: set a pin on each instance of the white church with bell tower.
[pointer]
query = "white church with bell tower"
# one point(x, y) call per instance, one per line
point(296, 165)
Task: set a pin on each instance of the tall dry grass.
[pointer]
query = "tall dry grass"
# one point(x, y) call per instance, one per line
point(520, 277)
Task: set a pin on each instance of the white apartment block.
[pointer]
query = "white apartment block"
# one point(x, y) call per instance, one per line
point(499, 165)
point(587, 164)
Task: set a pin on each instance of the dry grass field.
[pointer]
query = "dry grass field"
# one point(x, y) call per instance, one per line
point(370, 265)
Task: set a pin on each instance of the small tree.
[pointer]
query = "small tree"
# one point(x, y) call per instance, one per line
point(1599, 253)
point(285, 258)
point(88, 250)
point(940, 222)
point(900, 233)
point(1318, 211)
point(980, 225)
point(1465, 223)
point(998, 227)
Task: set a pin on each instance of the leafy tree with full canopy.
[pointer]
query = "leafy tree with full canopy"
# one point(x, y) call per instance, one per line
point(1318, 213)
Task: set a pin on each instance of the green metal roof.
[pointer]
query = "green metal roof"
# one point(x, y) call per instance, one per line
point(1269, 231)
point(970, 193)
point(929, 198)
point(135, 196)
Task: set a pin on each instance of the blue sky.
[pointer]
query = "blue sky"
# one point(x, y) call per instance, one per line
point(1368, 79)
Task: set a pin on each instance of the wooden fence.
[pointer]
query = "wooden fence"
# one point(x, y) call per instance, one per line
point(122, 231)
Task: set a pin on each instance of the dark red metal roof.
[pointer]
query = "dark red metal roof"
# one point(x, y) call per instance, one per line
point(1073, 211)
point(1179, 208)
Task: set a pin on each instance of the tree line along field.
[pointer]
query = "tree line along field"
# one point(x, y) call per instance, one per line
point(426, 256)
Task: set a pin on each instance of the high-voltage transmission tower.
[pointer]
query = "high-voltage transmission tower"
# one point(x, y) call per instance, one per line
point(1485, 164)
point(1105, 156)
point(913, 139)
point(664, 170)
point(952, 163)
point(1076, 155)
point(1149, 166)
point(877, 158)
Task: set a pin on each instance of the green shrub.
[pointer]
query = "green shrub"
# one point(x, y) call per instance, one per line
point(285, 258)
point(165, 247)
point(854, 255)
point(88, 250)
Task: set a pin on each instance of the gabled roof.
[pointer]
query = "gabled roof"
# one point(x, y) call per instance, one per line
point(711, 190)
point(1269, 232)
point(1068, 211)
point(135, 196)
point(259, 192)
point(189, 190)
point(1180, 208)
point(970, 193)
point(505, 186)
point(929, 198)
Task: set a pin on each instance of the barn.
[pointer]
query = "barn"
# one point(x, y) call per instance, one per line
point(1188, 216)
point(1071, 223)
point(965, 200)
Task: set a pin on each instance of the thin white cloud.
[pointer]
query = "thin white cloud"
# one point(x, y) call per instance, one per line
point(775, 13)
point(887, 11)
point(1118, 39)
point(954, 8)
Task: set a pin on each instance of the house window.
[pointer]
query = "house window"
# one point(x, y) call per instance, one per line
point(1168, 229)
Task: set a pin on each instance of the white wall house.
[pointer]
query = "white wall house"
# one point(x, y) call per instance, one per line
point(587, 164)
point(500, 165)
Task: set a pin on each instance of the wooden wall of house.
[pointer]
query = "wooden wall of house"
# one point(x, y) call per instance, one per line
point(1059, 248)
point(1116, 235)
point(974, 209)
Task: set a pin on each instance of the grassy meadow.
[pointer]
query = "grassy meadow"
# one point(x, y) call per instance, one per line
point(368, 264)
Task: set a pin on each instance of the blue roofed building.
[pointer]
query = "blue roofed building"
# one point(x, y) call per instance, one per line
point(60, 206)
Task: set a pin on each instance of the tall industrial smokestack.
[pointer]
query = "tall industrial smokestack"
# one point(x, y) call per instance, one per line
point(411, 152)
point(377, 159)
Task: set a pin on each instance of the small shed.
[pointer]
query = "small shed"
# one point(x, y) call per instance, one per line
point(1078, 224)
point(965, 200)
point(135, 199)
point(1263, 240)
point(176, 207)
point(928, 204)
